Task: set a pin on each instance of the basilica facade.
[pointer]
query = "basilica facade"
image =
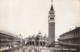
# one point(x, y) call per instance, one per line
point(37, 40)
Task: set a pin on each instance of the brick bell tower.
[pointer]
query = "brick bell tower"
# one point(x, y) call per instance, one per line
point(51, 23)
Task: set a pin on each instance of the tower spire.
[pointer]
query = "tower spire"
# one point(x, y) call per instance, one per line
point(51, 5)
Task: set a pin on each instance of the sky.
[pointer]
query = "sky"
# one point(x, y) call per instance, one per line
point(28, 17)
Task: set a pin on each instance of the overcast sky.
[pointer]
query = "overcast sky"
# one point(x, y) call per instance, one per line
point(28, 17)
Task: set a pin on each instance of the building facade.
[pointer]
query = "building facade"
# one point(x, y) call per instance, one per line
point(37, 40)
point(8, 41)
point(51, 23)
point(71, 40)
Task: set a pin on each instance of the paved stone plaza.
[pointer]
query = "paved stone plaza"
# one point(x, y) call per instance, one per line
point(34, 49)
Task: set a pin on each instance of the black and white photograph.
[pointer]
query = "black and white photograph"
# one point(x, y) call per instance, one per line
point(39, 25)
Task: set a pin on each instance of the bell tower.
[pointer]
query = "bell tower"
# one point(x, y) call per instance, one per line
point(51, 23)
